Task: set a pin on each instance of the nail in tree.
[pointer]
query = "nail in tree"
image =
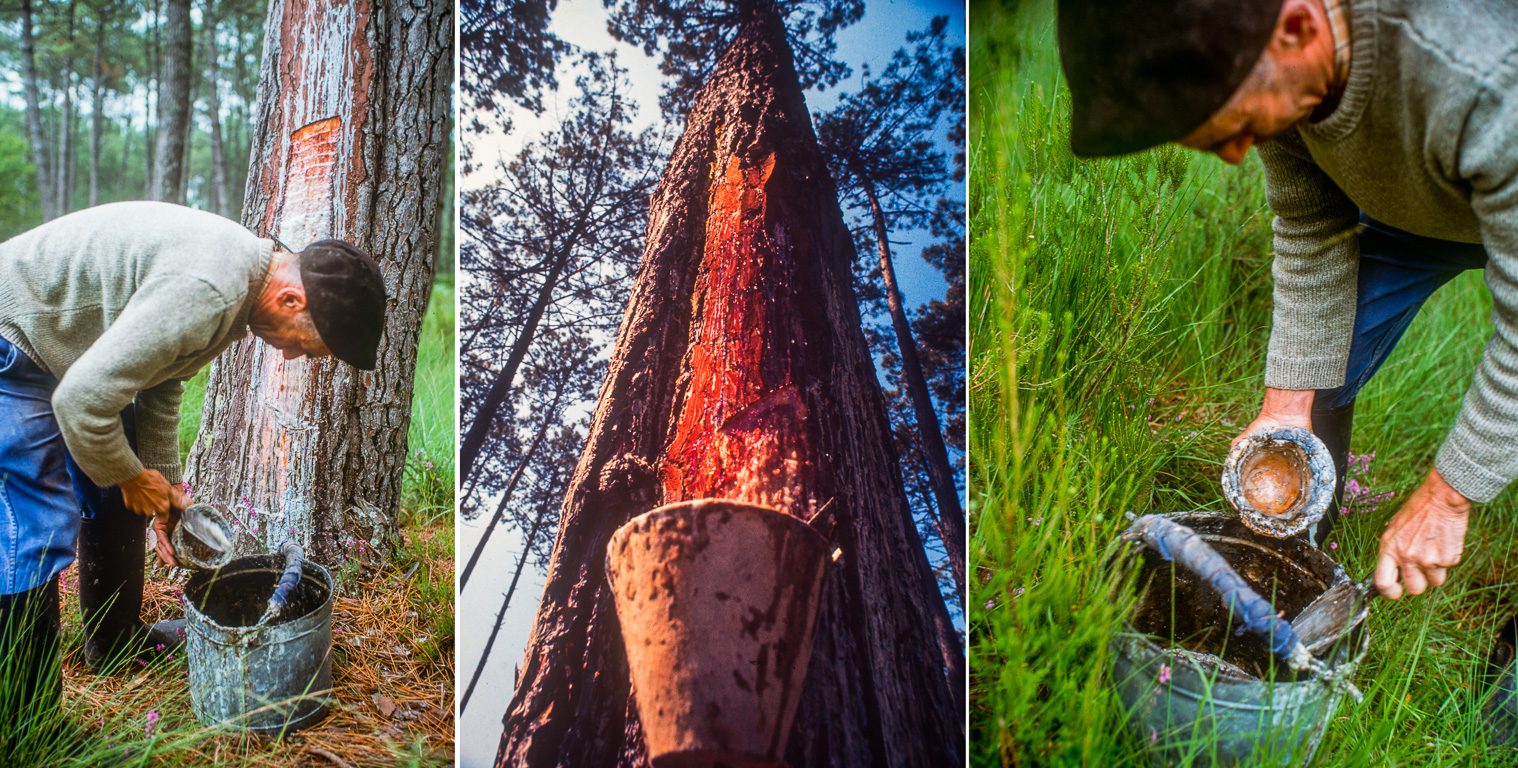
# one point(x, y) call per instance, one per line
point(351, 137)
point(741, 371)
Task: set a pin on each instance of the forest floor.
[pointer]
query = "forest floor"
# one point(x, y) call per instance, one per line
point(1118, 326)
point(392, 631)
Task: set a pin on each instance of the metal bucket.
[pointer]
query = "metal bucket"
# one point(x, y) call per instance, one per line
point(717, 601)
point(273, 679)
point(1194, 689)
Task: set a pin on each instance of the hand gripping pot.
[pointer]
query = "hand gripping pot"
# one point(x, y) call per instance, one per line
point(1280, 479)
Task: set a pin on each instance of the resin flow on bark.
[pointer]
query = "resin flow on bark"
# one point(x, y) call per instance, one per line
point(741, 433)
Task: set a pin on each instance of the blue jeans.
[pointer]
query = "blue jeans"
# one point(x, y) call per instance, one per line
point(42, 490)
point(1398, 272)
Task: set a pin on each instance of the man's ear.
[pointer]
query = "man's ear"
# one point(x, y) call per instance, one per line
point(291, 299)
point(1297, 26)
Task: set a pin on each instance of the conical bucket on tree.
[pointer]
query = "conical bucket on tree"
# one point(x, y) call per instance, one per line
point(1208, 681)
point(273, 678)
point(717, 601)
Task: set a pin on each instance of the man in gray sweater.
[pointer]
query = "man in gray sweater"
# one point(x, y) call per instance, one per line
point(1388, 130)
point(104, 313)
point(1389, 134)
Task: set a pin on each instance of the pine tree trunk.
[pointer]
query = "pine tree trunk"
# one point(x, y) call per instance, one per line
point(97, 111)
point(149, 135)
point(34, 114)
point(352, 131)
point(220, 200)
point(951, 516)
point(741, 370)
point(63, 174)
point(173, 101)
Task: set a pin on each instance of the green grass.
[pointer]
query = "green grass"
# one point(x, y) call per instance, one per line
point(1120, 310)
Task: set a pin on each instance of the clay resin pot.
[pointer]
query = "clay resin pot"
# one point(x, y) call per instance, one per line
point(1280, 479)
point(718, 601)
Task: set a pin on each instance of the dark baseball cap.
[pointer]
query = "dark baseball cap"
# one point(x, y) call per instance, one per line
point(1144, 72)
point(345, 294)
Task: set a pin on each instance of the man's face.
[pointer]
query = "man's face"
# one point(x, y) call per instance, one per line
point(1268, 104)
point(295, 337)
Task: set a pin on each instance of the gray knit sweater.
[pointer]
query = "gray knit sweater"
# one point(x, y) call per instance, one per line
point(1426, 140)
point(127, 301)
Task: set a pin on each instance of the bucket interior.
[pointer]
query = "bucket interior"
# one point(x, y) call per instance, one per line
point(237, 598)
point(1183, 614)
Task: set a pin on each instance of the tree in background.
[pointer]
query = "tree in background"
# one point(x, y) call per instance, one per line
point(89, 74)
point(559, 231)
point(506, 50)
point(352, 133)
point(880, 143)
point(742, 338)
point(174, 104)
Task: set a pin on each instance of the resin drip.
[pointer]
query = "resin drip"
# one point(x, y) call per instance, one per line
point(742, 432)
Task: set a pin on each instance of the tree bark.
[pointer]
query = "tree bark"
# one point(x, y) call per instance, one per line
point(64, 176)
point(741, 370)
point(34, 114)
point(173, 102)
point(221, 201)
point(149, 133)
point(352, 130)
point(97, 109)
point(951, 516)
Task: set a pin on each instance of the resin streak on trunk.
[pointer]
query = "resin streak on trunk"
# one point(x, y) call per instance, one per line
point(350, 139)
point(742, 427)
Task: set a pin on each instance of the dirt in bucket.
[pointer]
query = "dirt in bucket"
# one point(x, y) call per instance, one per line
point(238, 599)
point(1181, 611)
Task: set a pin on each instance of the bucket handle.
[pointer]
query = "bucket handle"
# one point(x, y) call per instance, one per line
point(1174, 541)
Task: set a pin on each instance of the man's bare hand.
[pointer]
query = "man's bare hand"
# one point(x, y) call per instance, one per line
point(1423, 539)
point(1282, 407)
point(151, 494)
point(163, 532)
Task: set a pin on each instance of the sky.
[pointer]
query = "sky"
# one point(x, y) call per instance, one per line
point(583, 23)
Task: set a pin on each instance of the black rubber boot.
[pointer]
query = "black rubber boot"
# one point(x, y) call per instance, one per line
point(1501, 698)
point(1332, 426)
point(31, 673)
point(111, 552)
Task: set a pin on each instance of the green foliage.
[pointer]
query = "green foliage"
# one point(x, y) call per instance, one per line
point(1118, 326)
point(428, 482)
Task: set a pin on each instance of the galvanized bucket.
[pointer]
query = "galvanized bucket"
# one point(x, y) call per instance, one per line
point(273, 679)
point(1194, 689)
point(717, 601)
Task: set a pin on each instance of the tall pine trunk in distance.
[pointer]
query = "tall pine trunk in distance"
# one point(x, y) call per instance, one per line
point(741, 370)
point(97, 108)
point(221, 201)
point(351, 136)
point(951, 516)
point(34, 134)
point(64, 176)
point(173, 102)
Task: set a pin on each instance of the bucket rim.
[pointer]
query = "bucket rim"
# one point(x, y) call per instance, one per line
point(299, 626)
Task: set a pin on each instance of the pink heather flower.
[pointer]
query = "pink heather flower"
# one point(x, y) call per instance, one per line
point(1153, 736)
point(1151, 402)
point(990, 603)
point(1164, 673)
point(1333, 545)
point(152, 722)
